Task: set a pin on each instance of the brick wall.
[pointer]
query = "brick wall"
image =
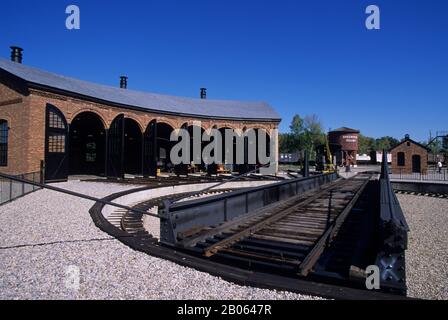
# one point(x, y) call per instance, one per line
point(409, 151)
point(25, 114)
point(14, 109)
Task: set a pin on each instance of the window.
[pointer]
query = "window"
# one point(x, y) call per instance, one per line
point(56, 143)
point(401, 159)
point(55, 121)
point(3, 143)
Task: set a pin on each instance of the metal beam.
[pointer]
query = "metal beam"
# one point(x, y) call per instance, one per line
point(315, 253)
point(213, 249)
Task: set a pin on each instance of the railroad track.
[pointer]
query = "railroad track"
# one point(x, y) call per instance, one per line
point(318, 241)
point(132, 221)
point(290, 235)
point(175, 180)
point(423, 194)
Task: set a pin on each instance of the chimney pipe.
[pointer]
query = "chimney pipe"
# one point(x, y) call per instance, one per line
point(16, 54)
point(123, 82)
point(203, 93)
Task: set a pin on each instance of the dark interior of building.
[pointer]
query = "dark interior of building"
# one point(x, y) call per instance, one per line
point(87, 145)
point(164, 146)
point(132, 147)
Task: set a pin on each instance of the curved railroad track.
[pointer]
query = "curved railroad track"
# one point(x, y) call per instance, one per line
point(322, 235)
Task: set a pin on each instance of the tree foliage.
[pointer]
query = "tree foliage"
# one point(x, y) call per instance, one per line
point(307, 133)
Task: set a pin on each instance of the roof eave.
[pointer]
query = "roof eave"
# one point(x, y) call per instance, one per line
point(38, 86)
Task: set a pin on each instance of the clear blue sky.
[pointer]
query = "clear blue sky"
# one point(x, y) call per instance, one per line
point(300, 56)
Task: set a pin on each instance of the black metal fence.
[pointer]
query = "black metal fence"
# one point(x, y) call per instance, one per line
point(432, 174)
point(182, 216)
point(11, 190)
point(392, 237)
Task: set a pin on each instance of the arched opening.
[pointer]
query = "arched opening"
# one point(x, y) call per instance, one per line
point(240, 152)
point(164, 146)
point(56, 132)
point(3, 143)
point(132, 161)
point(263, 151)
point(416, 163)
point(229, 148)
point(87, 145)
point(253, 148)
point(197, 164)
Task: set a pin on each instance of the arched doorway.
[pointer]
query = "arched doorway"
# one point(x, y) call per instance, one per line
point(124, 148)
point(157, 148)
point(87, 151)
point(229, 148)
point(56, 129)
point(263, 151)
point(196, 133)
point(132, 162)
point(164, 146)
point(416, 163)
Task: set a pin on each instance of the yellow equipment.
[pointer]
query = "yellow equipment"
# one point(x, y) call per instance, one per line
point(329, 165)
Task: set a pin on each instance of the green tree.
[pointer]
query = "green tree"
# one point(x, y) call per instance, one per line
point(287, 143)
point(386, 142)
point(305, 134)
point(296, 127)
point(366, 144)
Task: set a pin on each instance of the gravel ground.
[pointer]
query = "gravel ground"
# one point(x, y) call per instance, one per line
point(48, 237)
point(427, 255)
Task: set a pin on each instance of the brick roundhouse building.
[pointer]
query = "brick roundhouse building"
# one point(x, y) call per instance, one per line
point(76, 127)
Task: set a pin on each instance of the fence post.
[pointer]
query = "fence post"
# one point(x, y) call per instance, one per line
point(42, 171)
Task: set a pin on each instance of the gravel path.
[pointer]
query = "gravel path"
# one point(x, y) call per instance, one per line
point(47, 237)
point(427, 255)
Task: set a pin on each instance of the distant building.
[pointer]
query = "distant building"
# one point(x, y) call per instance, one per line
point(289, 157)
point(374, 158)
point(409, 157)
point(344, 145)
point(379, 157)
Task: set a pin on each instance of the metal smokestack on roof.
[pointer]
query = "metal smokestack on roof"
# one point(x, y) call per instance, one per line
point(203, 93)
point(16, 54)
point(123, 82)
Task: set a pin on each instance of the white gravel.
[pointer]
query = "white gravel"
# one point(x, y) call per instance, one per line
point(427, 254)
point(45, 234)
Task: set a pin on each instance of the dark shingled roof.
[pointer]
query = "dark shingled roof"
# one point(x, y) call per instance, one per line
point(411, 141)
point(345, 129)
point(136, 99)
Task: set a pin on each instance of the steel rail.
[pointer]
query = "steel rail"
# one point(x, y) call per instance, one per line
point(213, 249)
point(315, 253)
point(230, 180)
point(244, 218)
